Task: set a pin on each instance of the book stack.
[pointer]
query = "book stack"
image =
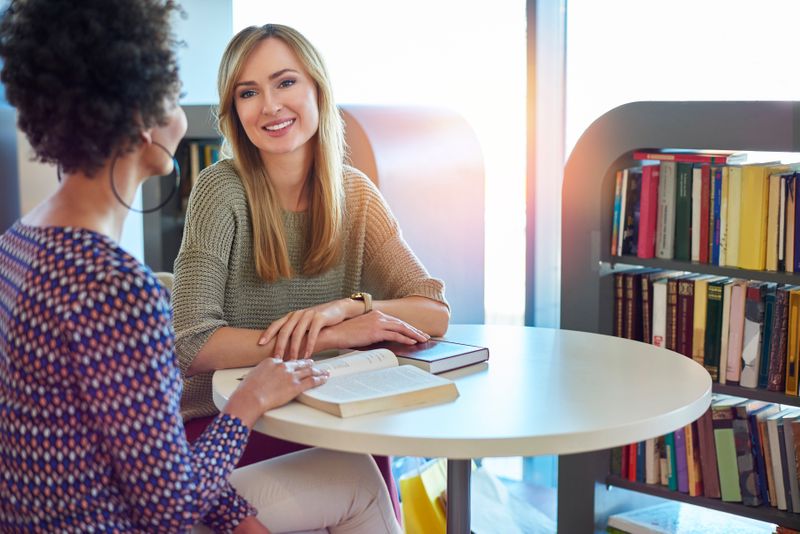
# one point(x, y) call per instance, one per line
point(700, 208)
point(744, 332)
point(740, 450)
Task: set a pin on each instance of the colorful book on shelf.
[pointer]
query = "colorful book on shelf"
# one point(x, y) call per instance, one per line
point(624, 452)
point(793, 343)
point(757, 444)
point(773, 212)
point(363, 382)
point(716, 214)
point(708, 456)
point(641, 461)
point(630, 222)
point(665, 225)
point(723, 219)
point(682, 157)
point(753, 218)
point(685, 327)
point(681, 460)
point(703, 215)
point(733, 215)
point(789, 465)
point(796, 264)
point(711, 334)
point(659, 312)
point(777, 458)
point(693, 468)
point(769, 292)
point(648, 212)
point(435, 356)
point(615, 223)
point(766, 450)
point(782, 224)
point(697, 191)
point(724, 328)
point(672, 461)
point(751, 339)
point(748, 475)
point(683, 212)
point(736, 332)
point(776, 381)
point(722, 421)
point(619, 304)
point(651, 461)
point(633, 461)
point(789, 193)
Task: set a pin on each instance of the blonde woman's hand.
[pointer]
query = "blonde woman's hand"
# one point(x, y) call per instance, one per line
point(296, 333)
point(369, 328)
point(270, 384)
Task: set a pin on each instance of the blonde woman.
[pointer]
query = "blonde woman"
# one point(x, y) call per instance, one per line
point(287, 250)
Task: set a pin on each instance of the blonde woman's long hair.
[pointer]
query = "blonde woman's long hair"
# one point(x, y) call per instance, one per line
point(326, 191)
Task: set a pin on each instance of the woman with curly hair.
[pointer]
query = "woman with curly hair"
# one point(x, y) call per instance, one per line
point(91, 436)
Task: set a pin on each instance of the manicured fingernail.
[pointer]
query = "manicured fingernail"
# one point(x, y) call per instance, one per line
point(262, 341)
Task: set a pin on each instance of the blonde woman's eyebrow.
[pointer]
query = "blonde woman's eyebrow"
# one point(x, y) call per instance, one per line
point(272, 76)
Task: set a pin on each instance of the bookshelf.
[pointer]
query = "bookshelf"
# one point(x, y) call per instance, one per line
point(586, 496)
point(9, 185)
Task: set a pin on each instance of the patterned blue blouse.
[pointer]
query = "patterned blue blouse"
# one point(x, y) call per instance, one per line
point(91, 437)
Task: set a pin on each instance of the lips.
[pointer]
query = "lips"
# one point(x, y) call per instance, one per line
point(276, 127)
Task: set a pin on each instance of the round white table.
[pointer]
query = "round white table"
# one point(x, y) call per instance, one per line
point(543, 391)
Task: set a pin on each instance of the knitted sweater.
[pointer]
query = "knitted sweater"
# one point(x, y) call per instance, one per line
point(216, 283)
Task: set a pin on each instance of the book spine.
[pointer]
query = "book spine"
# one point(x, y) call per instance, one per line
point(766, 338)
point(713, 328)
point(705, 202)
point(793, 350)
point(726, 454)
point(736, 332)
point(651, 462)
point(666, 211)
point(647, 308)
point(734, 215)
point(748, 483)
point(697, 191)
point(633, 306)
point(751, 342)
point(646, 247)
point(659, 291)
point(630, 227)
point(708, 456)
point(693, 460)
point(672, 314)
point(723, 219)
point(787, 484)
point(790, 469)
point(685, 316)
point(712, 201)
point(724, 330)
point(775, 445)
point(633, 450)
point(763, 434)
point(641, 461)
point(672, 462)
point(758, 458)
point(680, 459)
point(789, 193)
point(782, 225)
point(683, 212)
point(774, 181)
point(717, 184)
point(615, 224)
point(753, 222)
point(619, 305)
point(777, 342)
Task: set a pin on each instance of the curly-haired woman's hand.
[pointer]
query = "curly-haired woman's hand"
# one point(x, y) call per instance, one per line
point(297, 331)
point(270, 384)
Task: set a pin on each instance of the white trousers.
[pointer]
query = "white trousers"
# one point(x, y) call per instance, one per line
point(317, 490)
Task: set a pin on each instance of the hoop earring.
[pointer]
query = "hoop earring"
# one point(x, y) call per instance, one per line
point(176, 169)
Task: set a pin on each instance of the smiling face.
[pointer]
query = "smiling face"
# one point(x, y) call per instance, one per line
point(276, 100)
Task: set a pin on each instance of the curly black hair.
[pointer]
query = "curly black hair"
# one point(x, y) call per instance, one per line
point(86, 76)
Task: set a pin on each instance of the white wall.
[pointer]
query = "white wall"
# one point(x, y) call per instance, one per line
point(205, 31)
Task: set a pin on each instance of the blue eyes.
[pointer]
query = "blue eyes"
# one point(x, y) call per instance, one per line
point(284, 84)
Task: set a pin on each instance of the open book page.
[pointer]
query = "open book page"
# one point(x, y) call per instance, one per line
point(372, 384)
point(358, 362)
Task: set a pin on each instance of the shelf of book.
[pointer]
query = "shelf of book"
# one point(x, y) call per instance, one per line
point(762, 513)
point(732, 272)
point(587, 291)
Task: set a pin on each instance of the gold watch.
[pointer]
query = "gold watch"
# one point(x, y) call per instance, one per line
point(365, 297)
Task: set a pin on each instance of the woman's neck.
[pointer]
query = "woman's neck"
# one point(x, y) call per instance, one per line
point(289, 174)
point(88, 202)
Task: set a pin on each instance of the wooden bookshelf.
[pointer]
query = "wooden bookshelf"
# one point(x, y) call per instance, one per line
point(586, 287)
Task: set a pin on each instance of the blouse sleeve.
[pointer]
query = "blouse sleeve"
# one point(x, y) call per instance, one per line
point(391, 269)
point(122, 341)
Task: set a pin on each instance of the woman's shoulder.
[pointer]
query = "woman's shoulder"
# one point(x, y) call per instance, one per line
point(357, 185)
point(220, 182)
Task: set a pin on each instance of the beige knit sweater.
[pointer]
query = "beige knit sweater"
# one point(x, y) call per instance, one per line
point(216, 283)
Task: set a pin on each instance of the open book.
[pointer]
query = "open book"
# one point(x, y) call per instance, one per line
point(370, 381)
